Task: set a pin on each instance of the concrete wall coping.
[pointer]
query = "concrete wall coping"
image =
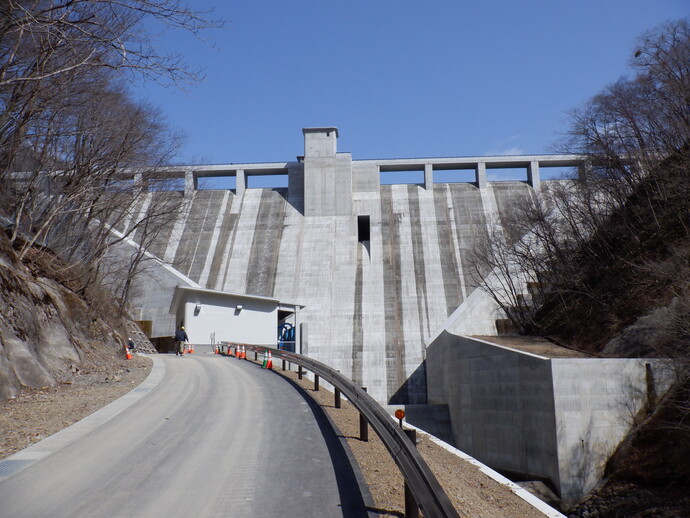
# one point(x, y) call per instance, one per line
point(183, 278)
point(324, 129)
point(538, 356)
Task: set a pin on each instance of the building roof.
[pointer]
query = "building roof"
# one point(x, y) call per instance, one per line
point(180, 291)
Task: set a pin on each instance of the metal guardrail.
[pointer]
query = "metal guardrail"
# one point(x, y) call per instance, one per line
point(426, 489)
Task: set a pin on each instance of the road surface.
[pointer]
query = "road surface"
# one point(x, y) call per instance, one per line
point(216, 437)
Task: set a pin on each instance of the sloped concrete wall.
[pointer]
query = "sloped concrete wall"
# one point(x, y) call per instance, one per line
point(558, 419)
point(154, 286)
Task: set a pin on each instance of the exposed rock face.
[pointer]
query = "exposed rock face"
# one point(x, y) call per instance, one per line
point(44, 328)
point(655, 334)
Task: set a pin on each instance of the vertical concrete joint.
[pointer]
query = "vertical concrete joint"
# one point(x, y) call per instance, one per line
point(584, 170)
point(189, 183)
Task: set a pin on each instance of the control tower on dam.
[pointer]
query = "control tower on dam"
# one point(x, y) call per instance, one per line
point(378, 268)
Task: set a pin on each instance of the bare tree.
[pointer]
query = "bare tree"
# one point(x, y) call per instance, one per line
point(612, 242)
point(494, 267)
point(44, 42)
point(71, 137)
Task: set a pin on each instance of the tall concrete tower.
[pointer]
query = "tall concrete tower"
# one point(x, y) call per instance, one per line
point(327, 174)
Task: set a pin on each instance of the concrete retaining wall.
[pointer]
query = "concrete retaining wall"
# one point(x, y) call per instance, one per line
point(554, 419)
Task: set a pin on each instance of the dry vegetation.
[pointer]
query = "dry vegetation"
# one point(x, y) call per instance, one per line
point(72, 136)
point(37, 413)
point(602, 263)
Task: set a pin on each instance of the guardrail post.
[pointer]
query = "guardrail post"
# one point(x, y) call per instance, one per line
point(256, 355)
point(299, 372)
point(337, 398)
point(316, 382)
point(283, 364)
point(363, 425)
point(411, 507)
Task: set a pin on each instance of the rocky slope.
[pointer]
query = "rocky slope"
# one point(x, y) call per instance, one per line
point(46, 330)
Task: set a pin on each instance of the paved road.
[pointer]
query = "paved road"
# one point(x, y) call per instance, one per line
point(217, 437)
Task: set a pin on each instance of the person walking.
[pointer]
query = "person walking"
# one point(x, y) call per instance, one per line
point(180, 338)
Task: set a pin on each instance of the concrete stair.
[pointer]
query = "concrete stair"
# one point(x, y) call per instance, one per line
point(141, 341)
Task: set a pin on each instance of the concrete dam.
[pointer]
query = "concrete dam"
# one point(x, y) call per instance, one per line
point(380, 279)
point(378, 268)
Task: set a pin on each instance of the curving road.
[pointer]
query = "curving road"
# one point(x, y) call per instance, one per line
point(216, 437)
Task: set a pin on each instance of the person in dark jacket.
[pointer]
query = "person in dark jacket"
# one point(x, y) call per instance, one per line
point(180, 338)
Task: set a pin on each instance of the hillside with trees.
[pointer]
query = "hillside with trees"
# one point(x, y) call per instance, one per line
point(70, 127)
point(602, 263)
point(631, 292)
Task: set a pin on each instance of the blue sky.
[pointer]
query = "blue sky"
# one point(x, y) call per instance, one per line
point(400, 79)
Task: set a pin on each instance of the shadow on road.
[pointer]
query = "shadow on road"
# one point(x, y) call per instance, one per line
point(352, 489)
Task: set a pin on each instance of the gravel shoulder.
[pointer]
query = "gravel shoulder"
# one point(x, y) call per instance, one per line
point(35, 414)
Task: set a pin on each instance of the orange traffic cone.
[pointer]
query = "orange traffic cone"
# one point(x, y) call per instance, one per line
point(244, 353)
point(238, 351)
point(128, 354)
point(191, 348)
point(215, 349)
point(269, 361)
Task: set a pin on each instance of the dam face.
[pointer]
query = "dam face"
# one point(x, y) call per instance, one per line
point(378, 268)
